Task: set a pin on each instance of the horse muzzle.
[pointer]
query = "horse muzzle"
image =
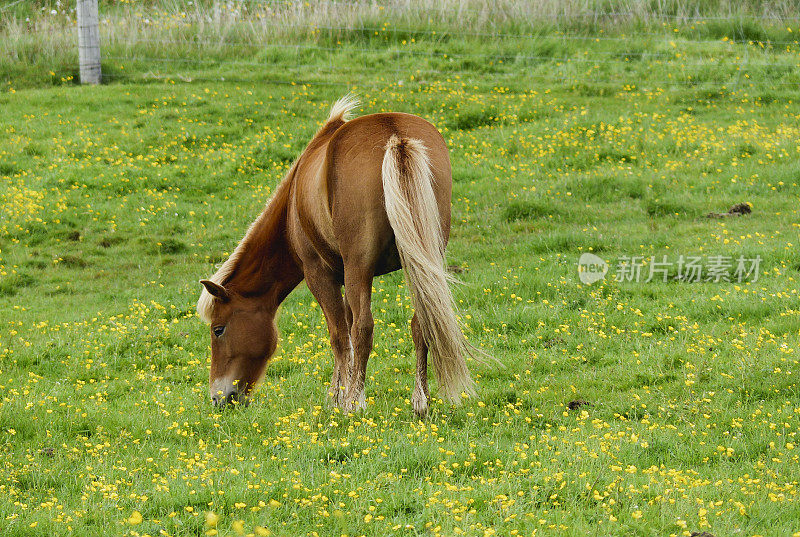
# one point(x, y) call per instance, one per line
point(226, 393)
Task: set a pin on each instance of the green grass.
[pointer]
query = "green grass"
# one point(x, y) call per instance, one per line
point(117, 199)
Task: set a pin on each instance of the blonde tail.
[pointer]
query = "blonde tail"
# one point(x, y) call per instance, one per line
point(414, 217)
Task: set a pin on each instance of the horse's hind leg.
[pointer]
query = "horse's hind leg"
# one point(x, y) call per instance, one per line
point(347, 366)
point(349, 313)
point(419, 399)
point(358, 292)
point(328, 293)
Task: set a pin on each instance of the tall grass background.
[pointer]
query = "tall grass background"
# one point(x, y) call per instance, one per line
point(163, 38)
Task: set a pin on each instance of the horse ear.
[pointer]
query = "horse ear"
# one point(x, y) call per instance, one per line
point(216, 290)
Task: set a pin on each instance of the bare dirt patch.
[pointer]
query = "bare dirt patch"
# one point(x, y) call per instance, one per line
point(739, 209)
point(577, 403)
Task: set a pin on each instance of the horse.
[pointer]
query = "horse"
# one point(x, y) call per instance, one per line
point(367, 196)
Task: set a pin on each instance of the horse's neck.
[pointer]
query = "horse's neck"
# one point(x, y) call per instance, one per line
point(266, 266)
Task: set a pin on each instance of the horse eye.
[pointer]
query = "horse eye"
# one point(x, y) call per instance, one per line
point(218, 330)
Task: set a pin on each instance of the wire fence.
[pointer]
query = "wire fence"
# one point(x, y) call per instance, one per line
point(727, 69)
point(337, 76)
point(552, 10)
point(546, 33)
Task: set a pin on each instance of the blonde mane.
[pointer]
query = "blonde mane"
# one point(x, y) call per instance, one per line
point(340, 112)
point(205, 304)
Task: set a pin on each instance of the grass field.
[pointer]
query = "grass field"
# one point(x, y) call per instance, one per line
point(115, 200)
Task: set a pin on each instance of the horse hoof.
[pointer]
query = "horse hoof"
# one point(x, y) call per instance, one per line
point(420, 408)
point(354, 404)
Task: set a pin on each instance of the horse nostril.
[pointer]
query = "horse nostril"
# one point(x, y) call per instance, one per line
point(221, 399)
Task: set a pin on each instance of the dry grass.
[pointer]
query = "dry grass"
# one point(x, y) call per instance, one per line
point(52, 27)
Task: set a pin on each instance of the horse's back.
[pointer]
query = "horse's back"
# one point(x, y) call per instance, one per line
point(356, 150)
point(354, 163)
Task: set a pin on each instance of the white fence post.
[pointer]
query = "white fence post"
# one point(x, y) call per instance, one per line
point(89, 42)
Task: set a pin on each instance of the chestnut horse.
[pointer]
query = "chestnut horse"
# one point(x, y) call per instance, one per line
point(366, 197)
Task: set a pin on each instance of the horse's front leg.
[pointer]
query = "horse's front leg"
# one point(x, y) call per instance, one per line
point(328, 292)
